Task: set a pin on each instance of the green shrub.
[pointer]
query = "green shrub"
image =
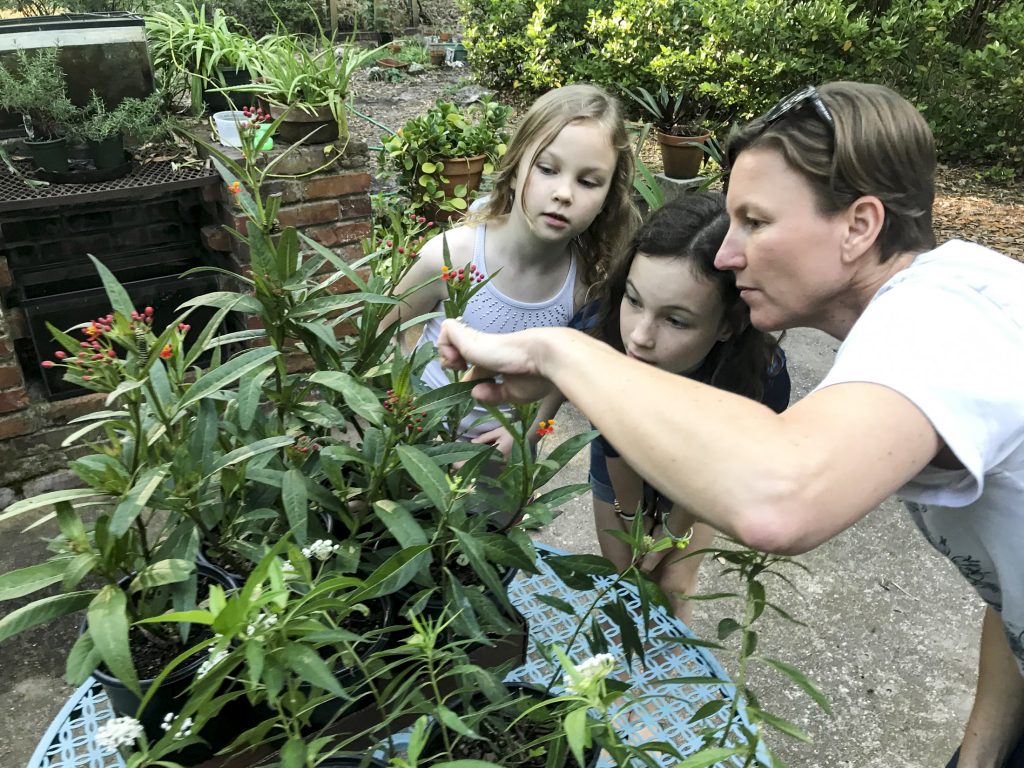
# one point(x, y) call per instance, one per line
point(952, 58)
point(261, 18)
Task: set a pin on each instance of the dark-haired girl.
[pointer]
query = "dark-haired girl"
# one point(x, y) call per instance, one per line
point(665, 304)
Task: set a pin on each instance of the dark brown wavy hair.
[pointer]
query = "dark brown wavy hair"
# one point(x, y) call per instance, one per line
point(692, 228)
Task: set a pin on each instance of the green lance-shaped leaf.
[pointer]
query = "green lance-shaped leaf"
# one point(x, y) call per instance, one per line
point(400, 523)
point(82, 660)
point(42, 611)
point(226, 374)
point(427, 475)
point(247, 452)
point(788, 728)
point(561, 456)
point(108, 627)
point(707, 710)
point(708, 757)
point(359, 398)
point(296, 504)
point(25, 581)
point(293, 753)
point(170, 571)
point(394, 573)
point(46, 499)
point(575, 724)
point(801, 680)
point(307, 664)
point(249, 390)
point(136, 499)
point(118, 296)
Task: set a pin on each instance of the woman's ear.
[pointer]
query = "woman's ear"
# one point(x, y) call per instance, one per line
point(864, 220)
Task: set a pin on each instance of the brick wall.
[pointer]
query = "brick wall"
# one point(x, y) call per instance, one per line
point(331, 206)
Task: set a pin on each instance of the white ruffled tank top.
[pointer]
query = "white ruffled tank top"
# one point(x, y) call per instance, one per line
point(493, 312)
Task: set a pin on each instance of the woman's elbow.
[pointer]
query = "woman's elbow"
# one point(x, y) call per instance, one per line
point(780, 528)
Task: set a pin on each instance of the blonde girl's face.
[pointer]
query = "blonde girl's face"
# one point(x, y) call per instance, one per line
point(670, 317)
point(565, 188)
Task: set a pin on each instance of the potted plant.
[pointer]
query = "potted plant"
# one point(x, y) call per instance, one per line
point(679, 130)
point(439, 157)
point(305, 79)
point(207, 48)
point(35, 87)
point(104, 131)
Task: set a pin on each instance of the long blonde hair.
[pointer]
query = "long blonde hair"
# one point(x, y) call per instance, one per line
point(613, 227)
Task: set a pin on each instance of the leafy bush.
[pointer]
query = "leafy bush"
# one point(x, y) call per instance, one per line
point(261, 18)
point(950, 57)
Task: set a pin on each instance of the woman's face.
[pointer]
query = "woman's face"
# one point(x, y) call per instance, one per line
point(670, 317)
point(785, 254)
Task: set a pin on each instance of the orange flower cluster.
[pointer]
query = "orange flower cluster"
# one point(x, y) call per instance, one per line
point(461, 274)
point(546, 428)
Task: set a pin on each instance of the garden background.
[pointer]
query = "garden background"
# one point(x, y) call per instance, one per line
point(891, 630)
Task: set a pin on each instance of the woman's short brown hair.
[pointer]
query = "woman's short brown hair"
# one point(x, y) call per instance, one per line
point(880, 145)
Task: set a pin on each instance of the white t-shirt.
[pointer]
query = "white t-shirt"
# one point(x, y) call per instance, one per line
point(948, 334)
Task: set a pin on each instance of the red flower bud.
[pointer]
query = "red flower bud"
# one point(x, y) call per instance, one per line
point(149, 310)
point(59, 354)
point(47, 363)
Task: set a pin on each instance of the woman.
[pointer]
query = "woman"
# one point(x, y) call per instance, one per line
point(830, 203)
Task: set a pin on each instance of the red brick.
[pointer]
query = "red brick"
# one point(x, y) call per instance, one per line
point(344, 285)
point(10, 376)
point(340, 234)
point(346, 328)
point(290, 191)
point(13, 426)
point(17, 326)
point(336, 186)
point(63, 411)
point(13, 400)
point(5, 274)
point(355, 206)
point(216, 238)
point(309, 213)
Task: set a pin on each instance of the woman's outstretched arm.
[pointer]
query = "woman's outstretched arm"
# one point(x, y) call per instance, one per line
point(782, 483)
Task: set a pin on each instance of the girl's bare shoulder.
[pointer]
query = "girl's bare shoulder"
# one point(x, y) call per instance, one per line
point(461, 241)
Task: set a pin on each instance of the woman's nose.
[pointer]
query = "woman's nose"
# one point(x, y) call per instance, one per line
point(562, 191)
point(730, 254)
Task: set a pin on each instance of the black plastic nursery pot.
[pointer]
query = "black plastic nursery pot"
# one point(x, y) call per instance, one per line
point(220, 101)
point(236, 716)
point(49, 154)
point(108, 153)
point(359, 715)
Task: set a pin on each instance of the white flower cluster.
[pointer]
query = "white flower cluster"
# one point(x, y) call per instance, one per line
point(118, 732)
point(263, 621)
point(287, 567)
point(215, 658)
point(184, 730)
point(321, 549)
point(592, 670)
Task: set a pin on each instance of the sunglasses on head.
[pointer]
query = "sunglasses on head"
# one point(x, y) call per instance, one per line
point(797, 100)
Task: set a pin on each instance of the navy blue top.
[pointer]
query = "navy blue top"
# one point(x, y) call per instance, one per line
point(776, 396)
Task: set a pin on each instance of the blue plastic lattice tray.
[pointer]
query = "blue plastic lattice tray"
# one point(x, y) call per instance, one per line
point(69, 742)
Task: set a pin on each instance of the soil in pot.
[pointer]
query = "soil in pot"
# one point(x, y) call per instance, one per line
point(150, 659)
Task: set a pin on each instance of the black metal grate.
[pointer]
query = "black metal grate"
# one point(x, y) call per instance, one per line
point(148, 178)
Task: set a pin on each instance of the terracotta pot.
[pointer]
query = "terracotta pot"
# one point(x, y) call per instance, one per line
point(320, 127)
point(392, 63)
point(681, 158)
point(463, 170)
point(436, 56)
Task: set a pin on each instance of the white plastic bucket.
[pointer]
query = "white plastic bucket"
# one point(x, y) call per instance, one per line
point(226, 124)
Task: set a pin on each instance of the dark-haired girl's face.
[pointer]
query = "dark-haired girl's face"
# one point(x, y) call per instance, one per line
point(670, 316)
